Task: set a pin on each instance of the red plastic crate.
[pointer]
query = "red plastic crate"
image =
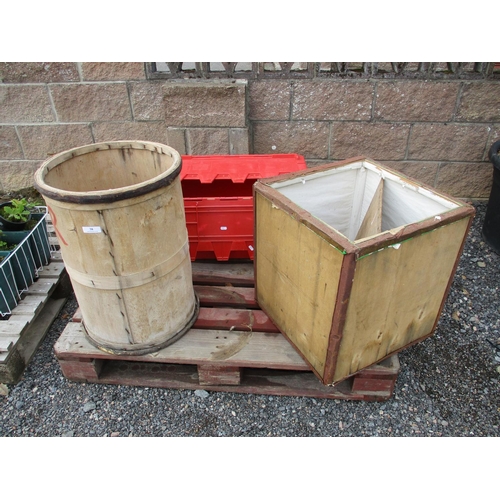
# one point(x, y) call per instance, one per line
point(218, 200)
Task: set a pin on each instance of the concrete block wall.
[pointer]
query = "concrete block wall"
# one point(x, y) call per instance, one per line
point(436, 130)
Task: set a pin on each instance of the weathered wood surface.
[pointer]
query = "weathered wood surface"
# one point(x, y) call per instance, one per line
point(220, 353)
point(114, 275)
point(211, 374)
point(25, 329)
point(226, 318)
point(219, 296)
point(198, 347)
point(212, 273)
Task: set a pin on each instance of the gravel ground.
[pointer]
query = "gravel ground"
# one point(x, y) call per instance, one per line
point(448, 385)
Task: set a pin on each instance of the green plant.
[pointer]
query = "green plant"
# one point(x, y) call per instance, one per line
point(4, 246)
point(17, 210)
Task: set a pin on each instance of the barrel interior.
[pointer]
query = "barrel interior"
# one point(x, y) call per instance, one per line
point(108, 169)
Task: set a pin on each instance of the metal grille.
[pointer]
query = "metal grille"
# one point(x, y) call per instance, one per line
point(292, 70)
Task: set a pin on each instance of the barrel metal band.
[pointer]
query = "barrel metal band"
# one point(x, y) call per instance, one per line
point(131, 280)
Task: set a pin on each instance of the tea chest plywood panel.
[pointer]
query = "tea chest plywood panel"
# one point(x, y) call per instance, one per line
point(353, 261)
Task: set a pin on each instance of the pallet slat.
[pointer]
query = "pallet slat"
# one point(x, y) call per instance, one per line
point(22, 332)
point(214, 273)
point(226, 296)
point(13, 327)
point(226, 318)
point(42, 286)
point(235, 348)
point(6, 343)
point(52, 270)
point(29, 306)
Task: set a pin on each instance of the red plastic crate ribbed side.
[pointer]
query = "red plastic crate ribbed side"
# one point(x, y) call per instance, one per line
point(218, 200)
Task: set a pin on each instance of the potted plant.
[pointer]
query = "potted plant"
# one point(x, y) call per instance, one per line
point(491, 225)
point(14, 214)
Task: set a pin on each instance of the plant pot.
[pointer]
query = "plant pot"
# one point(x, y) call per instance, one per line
point(491, 225)
point(13, 237)
point(8, 225)
point(22, 259)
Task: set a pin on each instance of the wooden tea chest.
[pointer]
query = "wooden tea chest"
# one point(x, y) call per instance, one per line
point(354, 261)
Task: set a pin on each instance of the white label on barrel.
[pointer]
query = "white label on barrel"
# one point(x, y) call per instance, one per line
point(91, 229)
point(223, 228)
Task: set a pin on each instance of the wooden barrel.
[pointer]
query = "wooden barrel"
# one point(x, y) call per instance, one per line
point(118, 211)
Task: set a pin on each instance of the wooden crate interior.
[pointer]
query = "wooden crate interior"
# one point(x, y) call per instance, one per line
point(362, 199)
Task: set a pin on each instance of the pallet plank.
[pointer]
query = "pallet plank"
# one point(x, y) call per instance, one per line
point(39, 327)
point(6, 343)
point(214, 273)
point(52, 270)
point(233, 348)
point(224, 318)
point(22, 332)
point(29, 306)
point(13, 327)
point(42, 286)
point(220, 296)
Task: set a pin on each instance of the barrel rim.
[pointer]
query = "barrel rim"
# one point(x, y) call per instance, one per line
point(107, 195)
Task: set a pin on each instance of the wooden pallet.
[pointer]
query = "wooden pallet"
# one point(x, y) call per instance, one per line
point(23, 331)
point(233, 347)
